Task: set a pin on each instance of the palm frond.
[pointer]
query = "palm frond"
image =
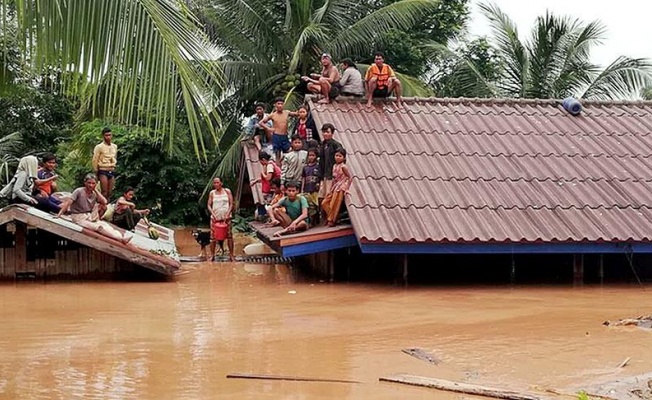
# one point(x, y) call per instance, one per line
point(513, 52)
point(148, 55)
point(469, 81)
point(402, 15)
point(623, 78)
point(312, 33)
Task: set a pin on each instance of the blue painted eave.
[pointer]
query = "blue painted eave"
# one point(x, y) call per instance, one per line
point(319, 246)
point(506, 248)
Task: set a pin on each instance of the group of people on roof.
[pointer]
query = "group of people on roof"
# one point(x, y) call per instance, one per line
point(379, 81)
point(35, 184)
point(300, 174)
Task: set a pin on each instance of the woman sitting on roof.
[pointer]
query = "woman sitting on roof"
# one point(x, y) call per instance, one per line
point(21, 186)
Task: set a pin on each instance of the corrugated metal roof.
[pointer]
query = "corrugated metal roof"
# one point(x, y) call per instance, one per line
point(472, 170)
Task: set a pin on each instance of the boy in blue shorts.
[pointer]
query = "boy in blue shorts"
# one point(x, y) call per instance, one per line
point(279, 129)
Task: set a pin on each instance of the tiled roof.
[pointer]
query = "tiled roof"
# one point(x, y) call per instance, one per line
point(462, 170)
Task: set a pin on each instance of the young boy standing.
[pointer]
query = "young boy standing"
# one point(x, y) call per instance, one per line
point(293, 162)
point(279, 129)
point(310, 184)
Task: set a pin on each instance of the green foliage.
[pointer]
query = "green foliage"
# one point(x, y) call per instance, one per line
point(646, 93)
point(583, 396)
point(403, 49)
point(135, 61)
point(240, 223)
point(42, 118)
point(167, 181)
point(454, 72)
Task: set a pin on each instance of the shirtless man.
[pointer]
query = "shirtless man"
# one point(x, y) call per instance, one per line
point(326, 83)
point(279, 129)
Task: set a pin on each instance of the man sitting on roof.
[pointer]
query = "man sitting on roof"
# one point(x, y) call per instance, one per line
point(326, 83)
point(381, 81)
point(295, 217)
point(82, 205)
point(254, 131)
point(351, 83)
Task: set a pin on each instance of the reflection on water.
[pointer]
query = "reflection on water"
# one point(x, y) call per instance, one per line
point(178, 340)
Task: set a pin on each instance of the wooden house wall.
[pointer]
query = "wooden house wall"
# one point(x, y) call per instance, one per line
point(31, 252)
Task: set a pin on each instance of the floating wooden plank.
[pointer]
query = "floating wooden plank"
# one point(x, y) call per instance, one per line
point(459, 387)
point(286, 378)
point(422, 355)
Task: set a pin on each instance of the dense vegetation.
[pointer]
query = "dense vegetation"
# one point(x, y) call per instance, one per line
point(174, 80)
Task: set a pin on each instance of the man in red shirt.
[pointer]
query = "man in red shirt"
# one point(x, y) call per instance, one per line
point(381, 81)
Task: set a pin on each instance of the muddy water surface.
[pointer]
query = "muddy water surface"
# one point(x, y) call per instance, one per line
point(178, 340)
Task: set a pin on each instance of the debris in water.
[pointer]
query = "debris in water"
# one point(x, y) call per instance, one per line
point(292, 292)
point(644, 321)
point(422, 355)
point(286, 378)
point(459, 387)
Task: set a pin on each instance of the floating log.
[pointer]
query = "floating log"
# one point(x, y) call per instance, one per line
point(286, 378)
point(459, 387)
point(624, 363)
point(422, 355)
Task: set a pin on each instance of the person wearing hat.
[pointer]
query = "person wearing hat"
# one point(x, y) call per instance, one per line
point(351, 83)
point(326, 83)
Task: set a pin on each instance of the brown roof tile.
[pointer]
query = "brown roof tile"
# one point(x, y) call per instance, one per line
point(461, 170)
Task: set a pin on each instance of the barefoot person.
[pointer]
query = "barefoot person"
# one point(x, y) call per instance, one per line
point(81, 205)
point(341, 181)
point(105, 158)
point(295, 217)
point(220, 206)
point(279, 129)
point(381, 81)
point(126, 216)
point(326, 83)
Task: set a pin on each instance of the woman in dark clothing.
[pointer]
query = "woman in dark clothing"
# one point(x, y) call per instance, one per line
point(306, 128)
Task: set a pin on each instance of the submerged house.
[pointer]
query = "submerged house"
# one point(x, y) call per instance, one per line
point(35, 244)
point(481, 176)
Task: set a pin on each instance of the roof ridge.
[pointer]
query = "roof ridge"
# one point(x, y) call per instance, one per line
point(490, 101)
point(496, 179)
point(500, 207)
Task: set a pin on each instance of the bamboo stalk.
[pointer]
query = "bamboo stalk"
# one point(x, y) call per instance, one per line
point(459, 387)
point(286, 378)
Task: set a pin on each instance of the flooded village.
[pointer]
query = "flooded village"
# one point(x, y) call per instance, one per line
point(321, 200)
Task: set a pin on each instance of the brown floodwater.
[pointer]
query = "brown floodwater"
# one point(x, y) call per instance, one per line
point(178, 340)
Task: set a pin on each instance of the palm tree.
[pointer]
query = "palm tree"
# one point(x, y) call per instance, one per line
point(266, 43)
point(144, 62)
point(554, 62)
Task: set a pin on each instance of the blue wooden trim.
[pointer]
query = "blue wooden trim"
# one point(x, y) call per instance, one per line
point(319, 246)
point(505, 248)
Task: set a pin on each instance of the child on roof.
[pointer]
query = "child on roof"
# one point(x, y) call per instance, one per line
point(278, 195)
point(341, 181)
point(293, 162)
point(295, 216)
point(310, 184)
point(270, 171)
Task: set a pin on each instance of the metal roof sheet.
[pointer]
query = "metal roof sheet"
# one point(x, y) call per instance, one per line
point(491, 170)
